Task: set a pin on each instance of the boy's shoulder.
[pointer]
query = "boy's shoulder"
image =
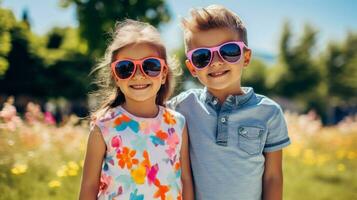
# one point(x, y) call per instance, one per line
point(185, 96)
point(266, 101)
point(267, 105)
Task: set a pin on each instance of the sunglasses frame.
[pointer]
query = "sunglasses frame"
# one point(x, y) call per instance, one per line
point(140, 63)
point(241, 45)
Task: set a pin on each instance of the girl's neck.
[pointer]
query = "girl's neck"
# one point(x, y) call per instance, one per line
point(145, 109)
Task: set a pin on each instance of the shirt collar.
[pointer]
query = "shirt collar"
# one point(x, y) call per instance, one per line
point(232, 100)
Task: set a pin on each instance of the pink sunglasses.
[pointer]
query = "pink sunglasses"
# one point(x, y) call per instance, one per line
point(126, 68)
point(230, 52)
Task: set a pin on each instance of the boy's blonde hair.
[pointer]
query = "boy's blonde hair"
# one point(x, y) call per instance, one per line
point(129, 32)
point(213, 16)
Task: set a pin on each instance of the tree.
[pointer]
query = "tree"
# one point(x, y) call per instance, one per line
point(299, 73)
point(255, 76)
point(7, 22)
point(186, 80)
point(97, 17)
point(53, 65)
point(341, 66)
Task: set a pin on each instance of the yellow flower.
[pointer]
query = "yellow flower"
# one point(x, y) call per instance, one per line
point(139, 174)
point(341, 167)
point(62, 172)
point(19, 169)
point(352, 155)
point(309, 157)
point(73, 165)
point(341, 154)
point(322, 159)
point(294, 150)
point(54, 184)
point(72, 172)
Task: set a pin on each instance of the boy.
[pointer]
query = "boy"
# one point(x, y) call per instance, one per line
point(236, 136)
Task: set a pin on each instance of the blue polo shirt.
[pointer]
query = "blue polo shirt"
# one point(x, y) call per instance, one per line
point(227, 141)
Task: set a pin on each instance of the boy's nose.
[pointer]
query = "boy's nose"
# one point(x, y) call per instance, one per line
point(216, 59)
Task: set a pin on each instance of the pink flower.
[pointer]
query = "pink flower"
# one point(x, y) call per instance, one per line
point(105, 182)
point(49, 119)
point(33, 113)
point(116, 142)
point(9, 115)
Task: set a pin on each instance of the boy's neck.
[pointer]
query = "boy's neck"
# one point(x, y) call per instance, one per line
point(147, 109)
point(222, 95)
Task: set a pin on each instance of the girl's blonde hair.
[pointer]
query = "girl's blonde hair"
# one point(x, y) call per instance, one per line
point(213, 16)
point(126, 33)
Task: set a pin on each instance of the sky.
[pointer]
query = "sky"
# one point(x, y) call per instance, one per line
point(264, 19)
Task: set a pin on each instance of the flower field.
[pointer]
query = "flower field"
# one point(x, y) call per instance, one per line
point(41, 160)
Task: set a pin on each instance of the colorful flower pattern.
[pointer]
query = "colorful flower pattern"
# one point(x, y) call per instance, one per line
point(142, 159)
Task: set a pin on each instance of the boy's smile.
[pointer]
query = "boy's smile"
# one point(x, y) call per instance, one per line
point(221, 78)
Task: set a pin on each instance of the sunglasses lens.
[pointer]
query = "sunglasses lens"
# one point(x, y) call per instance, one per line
point(230, 52)
point(152, 67)
point(124, 69)
point(201, 58)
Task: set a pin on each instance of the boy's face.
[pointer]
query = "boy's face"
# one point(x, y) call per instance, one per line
point(219, 76)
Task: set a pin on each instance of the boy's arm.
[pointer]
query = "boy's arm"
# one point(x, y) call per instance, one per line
point(273, 176)
point(92, 165)
point(186, 175)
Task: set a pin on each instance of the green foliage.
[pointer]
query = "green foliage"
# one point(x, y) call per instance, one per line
point(7, 21)
point(341, 67)
point(300, 74)
point(255, 76)
point(97, 17)
point(53, 65)
point(186, 77)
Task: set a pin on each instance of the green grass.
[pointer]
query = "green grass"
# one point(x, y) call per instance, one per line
point(325, 182)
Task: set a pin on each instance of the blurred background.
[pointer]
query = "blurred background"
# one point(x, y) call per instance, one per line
point(304, 57)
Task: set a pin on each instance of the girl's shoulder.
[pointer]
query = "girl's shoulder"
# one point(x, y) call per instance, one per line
point(172, 117)
point(172, 112)
point(104, 115)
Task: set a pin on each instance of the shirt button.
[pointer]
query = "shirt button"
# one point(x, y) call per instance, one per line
point(243, 131)
point(223, 119)
point(215, 102)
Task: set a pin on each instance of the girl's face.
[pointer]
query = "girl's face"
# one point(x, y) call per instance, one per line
point(140, 88)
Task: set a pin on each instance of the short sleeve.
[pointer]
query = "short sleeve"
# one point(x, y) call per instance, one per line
point(176, 102)
point(277, 137)
point(102, 128)
point(171, 103)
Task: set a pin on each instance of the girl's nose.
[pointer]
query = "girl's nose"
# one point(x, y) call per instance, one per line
point(138, 74)
point(216, 59)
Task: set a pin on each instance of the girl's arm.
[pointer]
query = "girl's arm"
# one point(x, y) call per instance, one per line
point(186, 176)
point(92, 165)
point(273, 176)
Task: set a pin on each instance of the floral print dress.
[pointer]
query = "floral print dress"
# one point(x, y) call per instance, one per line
point(142, 160)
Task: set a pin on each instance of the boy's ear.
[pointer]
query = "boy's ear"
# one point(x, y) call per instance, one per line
point(191, 68)
point(247, 56)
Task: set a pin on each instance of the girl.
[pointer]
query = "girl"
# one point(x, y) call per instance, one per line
point(137, 149)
